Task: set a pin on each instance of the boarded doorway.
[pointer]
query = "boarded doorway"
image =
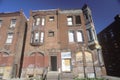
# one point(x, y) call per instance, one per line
point(53, 63)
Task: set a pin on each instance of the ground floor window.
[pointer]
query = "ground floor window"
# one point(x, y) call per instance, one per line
point(66, 61)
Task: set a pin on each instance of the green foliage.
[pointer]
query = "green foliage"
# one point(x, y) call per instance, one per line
point(89, 79)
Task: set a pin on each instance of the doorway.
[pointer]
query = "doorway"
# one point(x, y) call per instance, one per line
point(53, 63)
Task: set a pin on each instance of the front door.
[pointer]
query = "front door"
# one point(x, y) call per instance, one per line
point(53, 63)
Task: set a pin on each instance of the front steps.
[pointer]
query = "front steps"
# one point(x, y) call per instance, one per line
point(66, 76)
point(55, 75)
point(52, 75)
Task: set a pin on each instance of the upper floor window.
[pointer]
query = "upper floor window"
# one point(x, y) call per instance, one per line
point(43, 21)
point(40, 21)
point(86, 16)
point(111, 33)
point(51, 33)
point(69, 20)
point(0, 23)
point(37, 21)
point(89, 34)
point(71, 36)
point(51, 18)
point(42, 37)
point(9, 38)
point(13, 23)
point(75, 36)
point(77, 20)
point(37, 38)
point(79, 36)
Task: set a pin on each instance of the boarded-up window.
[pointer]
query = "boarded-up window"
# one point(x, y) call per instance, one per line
point(79, 56)
point(88, 57)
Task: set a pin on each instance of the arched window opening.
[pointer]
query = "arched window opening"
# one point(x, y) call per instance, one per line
point(88, 57)
point(79, 56)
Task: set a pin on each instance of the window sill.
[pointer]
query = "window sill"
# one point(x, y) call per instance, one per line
point(11, 28)
point(70, 25)
point(77, 24)
point(36, 44)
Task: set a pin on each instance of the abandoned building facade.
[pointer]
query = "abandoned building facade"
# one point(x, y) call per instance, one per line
point(64, 41)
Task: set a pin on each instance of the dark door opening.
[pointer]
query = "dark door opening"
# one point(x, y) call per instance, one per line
point(53, 63)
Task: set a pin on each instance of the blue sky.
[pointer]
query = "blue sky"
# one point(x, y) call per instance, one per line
point(103, 11)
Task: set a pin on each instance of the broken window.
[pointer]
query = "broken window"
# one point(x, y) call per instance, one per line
point(13, 23)
point(37, 38)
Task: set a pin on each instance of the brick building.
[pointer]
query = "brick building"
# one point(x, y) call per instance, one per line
point(110, 41)
point(12, 30)
point(63, 41)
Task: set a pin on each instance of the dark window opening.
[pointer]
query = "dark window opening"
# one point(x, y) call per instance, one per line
point(30, 76)
point(86, 16)
point(77, 19)
point(0, 23)
point(90, 36)
point(51, 18)
point(51, 34)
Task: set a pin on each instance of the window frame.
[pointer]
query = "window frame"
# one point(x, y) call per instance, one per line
point(89, 35)
point(51, 18)
point(13, 23)
point(77, 21)
point(39, 21)
point(39, 37)
point(70, 20)
point(9, 38)
point(71, 37)
point(82, 36)
point(51, 34)
point(1, 21)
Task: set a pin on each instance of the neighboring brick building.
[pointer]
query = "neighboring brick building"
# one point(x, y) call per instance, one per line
point(63, 41)
point(110, 41)
point(12, 31)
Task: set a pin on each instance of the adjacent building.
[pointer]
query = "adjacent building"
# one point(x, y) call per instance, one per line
point(12, 31)
point(109, 39)
point(63, 41)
